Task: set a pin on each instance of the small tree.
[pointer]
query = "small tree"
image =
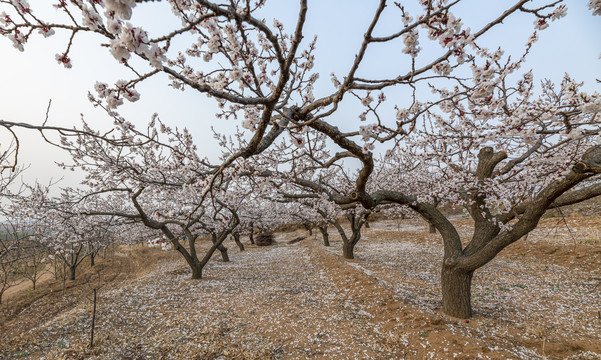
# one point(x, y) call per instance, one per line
point(33, 263)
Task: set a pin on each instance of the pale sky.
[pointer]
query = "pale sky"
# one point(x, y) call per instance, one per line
point(31, 78)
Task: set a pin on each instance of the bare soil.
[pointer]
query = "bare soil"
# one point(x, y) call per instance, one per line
point(539, 299)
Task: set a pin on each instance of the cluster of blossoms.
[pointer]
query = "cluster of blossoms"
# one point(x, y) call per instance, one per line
point(91, 18)
point(114, 97)
point(442, 68)
point(121, 8)
point(135, 39)
point(411, 42)
point(558, 13)
point(368, 133)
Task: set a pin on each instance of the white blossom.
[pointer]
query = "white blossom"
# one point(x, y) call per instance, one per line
point(443, 68)
point(122, 8)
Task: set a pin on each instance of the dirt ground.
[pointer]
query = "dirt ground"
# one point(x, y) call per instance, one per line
point(539, 299)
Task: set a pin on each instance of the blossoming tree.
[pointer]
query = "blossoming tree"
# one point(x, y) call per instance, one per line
point(255, 70)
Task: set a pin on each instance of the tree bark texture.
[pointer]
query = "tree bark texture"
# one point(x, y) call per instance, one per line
point(456, 292)
point(348, 250)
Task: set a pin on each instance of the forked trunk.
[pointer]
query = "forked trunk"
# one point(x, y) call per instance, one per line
point(456, 292)
point(348, 250)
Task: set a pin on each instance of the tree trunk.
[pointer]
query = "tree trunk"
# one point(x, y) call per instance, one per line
point(222, 249)
point(196, 271)
point(92, 257)
point(456, 292)
point(326, 236)
point(224, 254)
point(72, 272)
point(237, 241)
point(348, 250)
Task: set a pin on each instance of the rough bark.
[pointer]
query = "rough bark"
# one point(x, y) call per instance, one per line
point(456, 292)
point(197, 271)
point(348, 250)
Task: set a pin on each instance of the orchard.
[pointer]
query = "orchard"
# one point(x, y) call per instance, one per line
point(436, 113)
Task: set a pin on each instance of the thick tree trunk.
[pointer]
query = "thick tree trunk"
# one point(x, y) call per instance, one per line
point(196, 271)
point(456, 292)
point(348, 250)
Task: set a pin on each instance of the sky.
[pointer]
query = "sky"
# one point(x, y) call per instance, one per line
point(31, 78)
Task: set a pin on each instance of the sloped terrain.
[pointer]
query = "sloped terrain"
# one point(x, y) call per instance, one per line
point(539, 299)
